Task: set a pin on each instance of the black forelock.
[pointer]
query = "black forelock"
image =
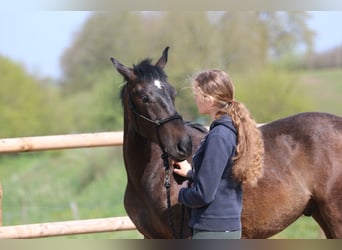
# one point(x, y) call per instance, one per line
point(146, 71)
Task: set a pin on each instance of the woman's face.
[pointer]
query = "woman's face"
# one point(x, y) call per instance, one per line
point(204, 104)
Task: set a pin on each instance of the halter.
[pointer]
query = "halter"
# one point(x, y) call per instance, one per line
point(165, 158)
point(156, 122)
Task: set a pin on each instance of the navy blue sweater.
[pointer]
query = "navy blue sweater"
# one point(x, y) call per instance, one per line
point(215, 198)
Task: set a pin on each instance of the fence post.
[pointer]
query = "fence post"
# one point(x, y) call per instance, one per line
point(74, 210)
point(0, 205)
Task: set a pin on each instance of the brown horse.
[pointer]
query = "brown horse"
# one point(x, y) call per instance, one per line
point(302, 171)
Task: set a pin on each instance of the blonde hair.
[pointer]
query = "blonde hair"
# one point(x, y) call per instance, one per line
point(248, 160)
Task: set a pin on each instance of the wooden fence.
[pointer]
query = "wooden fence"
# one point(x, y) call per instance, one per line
point(40, 143)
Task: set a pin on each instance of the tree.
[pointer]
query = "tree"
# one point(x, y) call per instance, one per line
point(103, 36)
point(243, 40)
point(252, 39)
point(99, 108)
point(237, 42)
point(271, 93)
point(27, 106)
point(287, 31)
point(331, 58)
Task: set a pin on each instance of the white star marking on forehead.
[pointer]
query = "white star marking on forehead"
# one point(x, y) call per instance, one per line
point(158, 84)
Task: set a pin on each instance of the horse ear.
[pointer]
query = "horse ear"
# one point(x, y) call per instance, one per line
point(163, 59)
point(126, 72)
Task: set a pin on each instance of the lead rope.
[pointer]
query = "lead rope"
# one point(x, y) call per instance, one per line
point(167, 185)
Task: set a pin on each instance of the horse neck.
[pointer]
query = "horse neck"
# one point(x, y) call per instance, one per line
point(138, 152)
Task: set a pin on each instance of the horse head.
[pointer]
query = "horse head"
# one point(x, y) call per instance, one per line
point(149, 102)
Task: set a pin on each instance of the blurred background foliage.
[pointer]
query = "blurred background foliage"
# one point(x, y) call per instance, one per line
point(269, 55)
point(262, 51)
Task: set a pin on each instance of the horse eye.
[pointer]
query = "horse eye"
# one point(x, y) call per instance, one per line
point(145, 99)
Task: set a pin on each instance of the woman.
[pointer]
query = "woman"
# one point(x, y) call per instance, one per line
point(230, 156)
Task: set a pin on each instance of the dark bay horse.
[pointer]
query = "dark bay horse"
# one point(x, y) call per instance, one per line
point(302, 170)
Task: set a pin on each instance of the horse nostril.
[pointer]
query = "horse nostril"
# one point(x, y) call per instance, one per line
point(181, 150)
point(184, 147)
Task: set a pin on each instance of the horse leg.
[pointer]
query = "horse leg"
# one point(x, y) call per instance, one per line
point(330, 220)
point(312, 211)
point(328, 213)
point(324, 226)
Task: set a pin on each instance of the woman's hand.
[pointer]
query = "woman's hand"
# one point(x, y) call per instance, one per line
point(182, 168)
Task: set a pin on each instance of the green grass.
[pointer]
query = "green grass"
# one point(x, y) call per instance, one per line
point(303, 228)
point(40, 187)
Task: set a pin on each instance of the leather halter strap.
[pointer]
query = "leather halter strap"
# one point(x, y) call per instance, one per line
point(156, 122)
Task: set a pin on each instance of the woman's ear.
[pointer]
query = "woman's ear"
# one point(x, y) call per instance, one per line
point(210, 101)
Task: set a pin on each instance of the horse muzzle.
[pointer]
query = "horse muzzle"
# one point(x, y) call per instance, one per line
point(182, 149)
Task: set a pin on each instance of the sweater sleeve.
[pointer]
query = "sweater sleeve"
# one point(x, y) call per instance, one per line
point(217, 153)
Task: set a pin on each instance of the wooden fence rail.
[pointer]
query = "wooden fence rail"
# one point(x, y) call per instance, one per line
point(40, 143)
point(53, 142)
point(66, 228)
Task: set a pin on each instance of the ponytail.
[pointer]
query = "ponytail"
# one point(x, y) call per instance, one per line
point(248, 160)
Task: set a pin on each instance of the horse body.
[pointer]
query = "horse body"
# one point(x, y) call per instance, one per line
point(302, 167)
point(302, 173)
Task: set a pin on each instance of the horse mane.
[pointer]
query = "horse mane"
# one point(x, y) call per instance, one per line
point(146, 71)
point(197, 126)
